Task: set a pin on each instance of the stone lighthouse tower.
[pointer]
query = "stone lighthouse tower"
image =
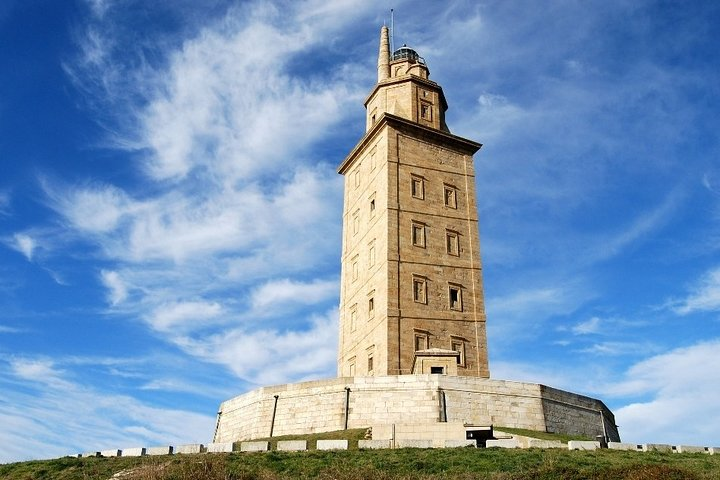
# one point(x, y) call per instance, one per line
point(412, 359)
point(411, 296)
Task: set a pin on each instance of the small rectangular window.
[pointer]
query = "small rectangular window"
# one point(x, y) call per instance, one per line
point(421, 341)
point(425, 111)
point(355, 267)
point(356, 222)
point(371, 305)
point(371, 253)
point(370, 363)
point(417, 187)
point(353, 318)
point(455, 296)
point(357, 177)
point(351, 368)
point(452, 242)
point(437, 370)
point(372, 205)
point(419, 290)
point(418, 234)
point(459, 346)
point(450, 196)
point(373, 160)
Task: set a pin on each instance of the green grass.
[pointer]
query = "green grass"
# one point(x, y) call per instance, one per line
point(430, 464)
point(351, 435)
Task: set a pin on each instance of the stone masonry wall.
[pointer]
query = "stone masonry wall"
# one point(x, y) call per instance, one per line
point(319, 406)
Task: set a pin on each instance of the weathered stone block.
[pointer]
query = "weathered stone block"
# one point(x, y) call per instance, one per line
point(689, 449)
point(583, 445)
point(537, 443)
point(292, 445)
point(410, 443)
point(224, 447)
point(133, 452)
point(190, 448)
point(656, 447)
point(624, 446)
point(502, 443)
point(110, 453)
point(168, 450)
point(254, 446)
point(374, 444)
point(332, 444)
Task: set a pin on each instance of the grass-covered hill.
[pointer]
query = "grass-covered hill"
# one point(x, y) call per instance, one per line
point(463, 463)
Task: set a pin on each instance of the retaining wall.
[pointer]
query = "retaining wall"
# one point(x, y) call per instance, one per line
point(320, 406)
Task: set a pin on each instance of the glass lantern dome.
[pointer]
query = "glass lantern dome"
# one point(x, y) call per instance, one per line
point(407, 53)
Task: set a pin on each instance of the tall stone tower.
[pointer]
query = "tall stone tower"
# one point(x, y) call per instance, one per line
point(411, 301)
point(411, 296)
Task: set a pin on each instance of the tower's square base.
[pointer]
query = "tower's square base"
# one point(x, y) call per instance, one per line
point(361, 402)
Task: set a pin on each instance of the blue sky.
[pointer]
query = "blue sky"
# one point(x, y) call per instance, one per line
point(170, 212)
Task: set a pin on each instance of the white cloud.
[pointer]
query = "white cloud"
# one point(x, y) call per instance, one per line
point(6, 329)
point(523, 312)
point(117, 289)
point(94, 209)
point(24, 244)
point(270, 356)
point(35, 369)
point(617, 348)
point(593, 325)
point(640, 228)
point(682, 387)
point(184, 316)
point(277, 292)
point(44, 415)
point(704, 297)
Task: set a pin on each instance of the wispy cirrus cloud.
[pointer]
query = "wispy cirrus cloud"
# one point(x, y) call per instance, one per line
point(272, 356)
point(236, 217)
point(107, 421)
point(25, 244)
point(703, 297)
point(677, 392)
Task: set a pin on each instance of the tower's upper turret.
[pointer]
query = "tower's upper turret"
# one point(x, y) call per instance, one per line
point(404, 88)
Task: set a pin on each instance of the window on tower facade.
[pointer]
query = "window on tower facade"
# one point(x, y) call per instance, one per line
point(370, 364)
point(450, 196)
point(355, 267)
point(372, 205)
point(356, 222)
point(351, 367)
point(455, 297)
point(458, 345)
point(357, 177)
point(417, 187)
point(373, 160)
point(371, 304)
point(371, 253)
point(420, 289)
point(422, 341)
point(418, 234)
point(425, 111)
point(452, 242)
point(353, 318)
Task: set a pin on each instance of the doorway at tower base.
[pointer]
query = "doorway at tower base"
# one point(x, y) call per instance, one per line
point(362, 402)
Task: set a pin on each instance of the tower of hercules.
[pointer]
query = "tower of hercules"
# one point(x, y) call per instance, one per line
point(411, 296)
